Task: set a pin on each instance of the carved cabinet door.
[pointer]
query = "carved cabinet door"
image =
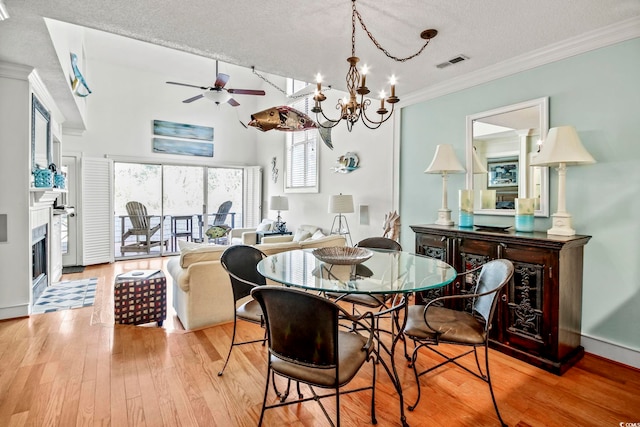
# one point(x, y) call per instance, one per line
point(526, 310)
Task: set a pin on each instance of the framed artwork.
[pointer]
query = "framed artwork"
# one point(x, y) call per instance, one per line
point(502, 173)
point(184, 148)
point(41, 151)
point(182, 130)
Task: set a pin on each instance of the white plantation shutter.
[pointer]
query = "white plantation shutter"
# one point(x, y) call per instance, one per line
point(302, 156)
point(253, 196)
point(96, 214)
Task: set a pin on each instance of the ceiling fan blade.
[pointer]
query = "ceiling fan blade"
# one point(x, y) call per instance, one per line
point(194, 98)
point(221, 80)
point(188, 85)
point(246, 91)
point(233, 102)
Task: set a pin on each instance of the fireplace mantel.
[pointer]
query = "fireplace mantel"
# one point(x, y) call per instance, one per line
point(41, 197)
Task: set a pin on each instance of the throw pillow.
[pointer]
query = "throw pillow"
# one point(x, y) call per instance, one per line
point(217, 231)
point(265, 225)
point(317, 235)
point(301, 235)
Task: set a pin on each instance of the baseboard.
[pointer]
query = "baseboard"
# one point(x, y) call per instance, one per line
point(21, 310)
point(615, 352)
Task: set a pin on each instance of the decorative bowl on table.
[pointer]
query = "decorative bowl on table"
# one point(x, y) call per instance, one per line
point(342, 255)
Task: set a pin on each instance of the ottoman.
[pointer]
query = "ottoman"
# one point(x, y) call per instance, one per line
point(140, 297)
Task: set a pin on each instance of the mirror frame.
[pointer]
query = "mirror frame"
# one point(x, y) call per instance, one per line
point(39, 141)
point(542, 104)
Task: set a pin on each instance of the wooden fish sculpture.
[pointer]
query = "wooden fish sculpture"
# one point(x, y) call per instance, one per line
point(283, 118)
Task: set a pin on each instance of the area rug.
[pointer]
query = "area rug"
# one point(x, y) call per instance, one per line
point(66, 295)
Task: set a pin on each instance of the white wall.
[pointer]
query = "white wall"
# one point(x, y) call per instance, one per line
point(125, 101)
point(15, 168)
point(370, 185)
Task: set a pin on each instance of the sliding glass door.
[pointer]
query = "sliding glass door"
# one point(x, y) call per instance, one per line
point(175, 203)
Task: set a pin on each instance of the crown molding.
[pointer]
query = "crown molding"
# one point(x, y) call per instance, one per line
point(38, 87)
point(596, 39)
point(66, 130)
point(14, 71)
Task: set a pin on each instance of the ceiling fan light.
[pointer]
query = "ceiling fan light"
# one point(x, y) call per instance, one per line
point(217, 96)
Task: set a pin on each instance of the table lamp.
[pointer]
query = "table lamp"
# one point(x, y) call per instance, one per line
point(341, 204)
point(444, 162)
point(561, 148)
point(279, 203)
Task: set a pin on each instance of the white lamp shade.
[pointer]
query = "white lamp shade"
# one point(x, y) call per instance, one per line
point(341, 203)
point(445, 160)
point(279, 203)
point(562, 146)
point(478, 167)
point(217, 96)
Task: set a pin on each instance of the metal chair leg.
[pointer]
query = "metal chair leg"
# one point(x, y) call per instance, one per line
point(233, 340)
point(493, 396)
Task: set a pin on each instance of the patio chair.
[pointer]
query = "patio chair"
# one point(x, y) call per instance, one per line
point(141, 228)
point(432, 324)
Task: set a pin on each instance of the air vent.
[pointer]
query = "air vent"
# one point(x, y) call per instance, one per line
point(452, 61)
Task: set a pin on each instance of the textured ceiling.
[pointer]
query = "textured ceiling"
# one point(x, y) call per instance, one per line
point(301, 38)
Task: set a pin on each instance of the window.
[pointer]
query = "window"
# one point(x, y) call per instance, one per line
point(301, 167)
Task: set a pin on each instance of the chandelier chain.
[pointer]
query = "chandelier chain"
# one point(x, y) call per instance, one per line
point(374, 40)
point(284, 92)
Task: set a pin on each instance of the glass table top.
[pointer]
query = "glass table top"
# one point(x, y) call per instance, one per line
point(386, 272)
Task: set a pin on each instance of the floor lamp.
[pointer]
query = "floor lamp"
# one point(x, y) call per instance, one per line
point(562, 147)
point(341, 204)
point(279, 203)
point(444, 162)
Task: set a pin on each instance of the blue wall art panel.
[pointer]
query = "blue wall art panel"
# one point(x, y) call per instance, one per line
point(184, 148)
point(181, 130)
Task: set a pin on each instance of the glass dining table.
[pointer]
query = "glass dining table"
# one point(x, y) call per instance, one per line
point(393, 274)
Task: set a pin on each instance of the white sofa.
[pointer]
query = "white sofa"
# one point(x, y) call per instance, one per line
point(201, 289)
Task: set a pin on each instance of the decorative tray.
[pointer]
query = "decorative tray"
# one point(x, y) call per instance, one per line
point(492, 228)
point(342, 255)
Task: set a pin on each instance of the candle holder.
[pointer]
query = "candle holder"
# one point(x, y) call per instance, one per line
point(524, 214)
point(466, 208)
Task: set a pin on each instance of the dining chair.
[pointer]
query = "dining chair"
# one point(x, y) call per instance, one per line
point(240, 262)
point(434, 323)
point(366, 300)
point(308, 344)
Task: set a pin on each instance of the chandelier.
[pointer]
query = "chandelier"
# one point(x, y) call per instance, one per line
point(353, 109)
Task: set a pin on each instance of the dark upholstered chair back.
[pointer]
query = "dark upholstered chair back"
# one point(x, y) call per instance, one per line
point(379, 243)
point(302, 327)
point(241, 263)
point(493, 276)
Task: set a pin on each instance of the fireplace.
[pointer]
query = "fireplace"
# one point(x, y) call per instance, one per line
point(39, 260)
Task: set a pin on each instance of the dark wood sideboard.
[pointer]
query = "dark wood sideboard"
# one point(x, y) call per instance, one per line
point(538, 318)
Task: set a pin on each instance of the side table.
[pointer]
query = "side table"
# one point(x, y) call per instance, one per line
point(261, 234)
point(140, 300)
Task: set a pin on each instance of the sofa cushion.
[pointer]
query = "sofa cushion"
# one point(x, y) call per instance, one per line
point(275, 248)
point(318, 235)
point(301, 235)
point(324, 242)
point(195, 252)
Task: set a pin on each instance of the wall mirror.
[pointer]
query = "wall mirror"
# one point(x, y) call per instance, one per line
point(41, 154)
point(501, 144)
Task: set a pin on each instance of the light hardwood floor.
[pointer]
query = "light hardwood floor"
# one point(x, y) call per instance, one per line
point(72, 368)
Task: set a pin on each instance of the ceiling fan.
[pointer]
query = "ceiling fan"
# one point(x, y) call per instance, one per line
point(218, 93)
